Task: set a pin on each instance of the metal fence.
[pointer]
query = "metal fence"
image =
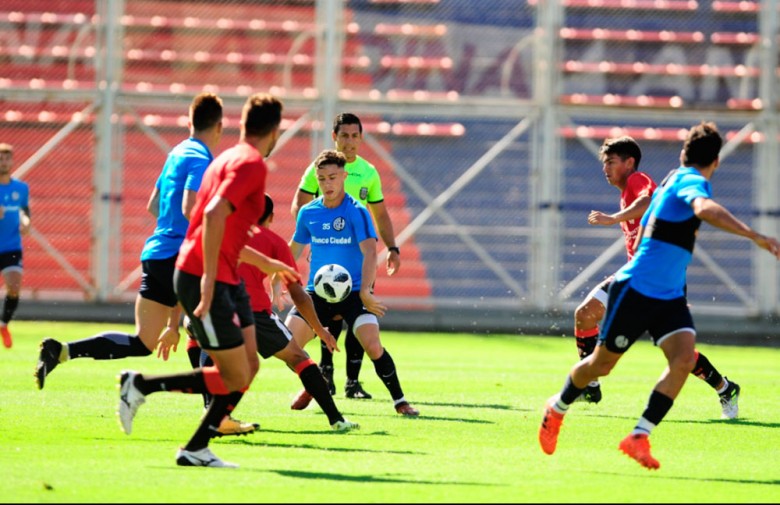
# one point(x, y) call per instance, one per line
point(484, 119)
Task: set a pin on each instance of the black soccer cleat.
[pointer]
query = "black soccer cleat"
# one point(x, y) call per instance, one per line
point(48, 359)
point(353, 389)
point(592, 394)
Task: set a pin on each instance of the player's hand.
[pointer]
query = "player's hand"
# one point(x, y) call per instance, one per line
point(24, 224)
point(372, 304)
point(393, 262)
point(330, 342)
point(599, 218)
point(770, 244)
point(169, 339)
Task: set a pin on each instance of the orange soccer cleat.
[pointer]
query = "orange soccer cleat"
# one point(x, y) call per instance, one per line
point(638, 447)
point(551, 425)
point(6, 333)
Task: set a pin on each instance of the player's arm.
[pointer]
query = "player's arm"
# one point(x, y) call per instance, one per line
point(305, 306)
point(297, 249)
point(214, 217)
point(634, 211)
point(268, 265)
point(368, 248)
point(300, 199)
point(188, 202)
point(718, 216)
point(153, 205)
point(385, 228)
point(24, 220)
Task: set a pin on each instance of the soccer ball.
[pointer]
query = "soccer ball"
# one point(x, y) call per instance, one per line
point(333, 283)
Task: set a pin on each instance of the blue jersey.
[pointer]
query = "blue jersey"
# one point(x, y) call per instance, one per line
point(183, 170)
point(14, 196)
point(335, 236)
point(666, 249)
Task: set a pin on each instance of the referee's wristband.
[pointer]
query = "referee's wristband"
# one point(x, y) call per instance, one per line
point(394, 248)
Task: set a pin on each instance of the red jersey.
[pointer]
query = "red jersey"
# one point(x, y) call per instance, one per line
point(237, 175)
point(273, 246)
point(638, 184)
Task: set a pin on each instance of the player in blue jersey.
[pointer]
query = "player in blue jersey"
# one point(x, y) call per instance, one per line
point(157, 312)
point(14, 223)
point(648, 293)
point(340, 230)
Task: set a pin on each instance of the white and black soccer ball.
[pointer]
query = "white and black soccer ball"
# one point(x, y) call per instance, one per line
point(333, 283)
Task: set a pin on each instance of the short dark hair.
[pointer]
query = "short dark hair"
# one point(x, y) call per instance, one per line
point(346, 118)
point(262, 113)
point(330, 157)
point(702, 145)
point(624, 147)
point(205, 111)
point(269, 209)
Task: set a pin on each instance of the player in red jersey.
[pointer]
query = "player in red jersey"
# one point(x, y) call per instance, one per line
point(229, 202)
point(620, 158)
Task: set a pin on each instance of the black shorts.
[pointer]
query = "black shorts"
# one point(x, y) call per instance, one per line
point(629, 314)
point(350, 309)
point(271, 334)
point(220, 328)
point(11, 260)
point(244, 307)
point(157, 281)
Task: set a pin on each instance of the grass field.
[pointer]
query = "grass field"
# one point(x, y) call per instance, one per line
point(480, 399)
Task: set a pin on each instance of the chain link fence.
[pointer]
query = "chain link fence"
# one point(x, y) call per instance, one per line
point(483, 118)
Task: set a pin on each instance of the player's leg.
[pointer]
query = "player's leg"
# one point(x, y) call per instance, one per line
point(728, 391)
point(326, 357)
point(366, 329)
point(587, 317)
point(12, 278)
point(355, 352)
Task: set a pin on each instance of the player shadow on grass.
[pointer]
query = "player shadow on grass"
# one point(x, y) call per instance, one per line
point(299, 474)
point(494, 406)
point(314, 447)
point(771, 482)
point(742, 421)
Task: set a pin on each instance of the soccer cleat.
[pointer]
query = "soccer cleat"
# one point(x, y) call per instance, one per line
point(551, 426)
point(48, 359)
point(202, 457)
point(6, 333)
point(592, 394)
point(405, 409)
point(729, 401)
point(637, 447)
point(230, 426)
point(130, 398)
point(301, 400)
point(353, 389)
point(345, 425)
point(327, 372)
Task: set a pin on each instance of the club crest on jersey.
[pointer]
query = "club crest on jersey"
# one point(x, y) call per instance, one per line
point(621, 341)
point(363, 193)
point(339, 223)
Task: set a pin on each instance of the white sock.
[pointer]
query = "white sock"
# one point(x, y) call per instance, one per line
point(725, 386)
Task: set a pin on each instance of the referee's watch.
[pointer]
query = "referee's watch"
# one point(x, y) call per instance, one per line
point(396, 249)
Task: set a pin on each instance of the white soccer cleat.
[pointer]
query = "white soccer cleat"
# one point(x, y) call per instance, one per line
point(345, 425)
point(130, 398)
point(202, 457)
point(729, 401)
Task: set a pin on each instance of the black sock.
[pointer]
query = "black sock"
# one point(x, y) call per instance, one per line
point(326, 357)
point(317, 387)
point(706, 372)
point(221, 406)
point(108, 345)
point(193, 354)
point(657, 407)
point(385, 369)
point(355, 354)
point(586, 345)
point(184, 382)
point(9, 307)
point(205, 360)
point(570, 392)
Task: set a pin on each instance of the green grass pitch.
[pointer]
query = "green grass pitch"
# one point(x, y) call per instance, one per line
point(480, 399)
